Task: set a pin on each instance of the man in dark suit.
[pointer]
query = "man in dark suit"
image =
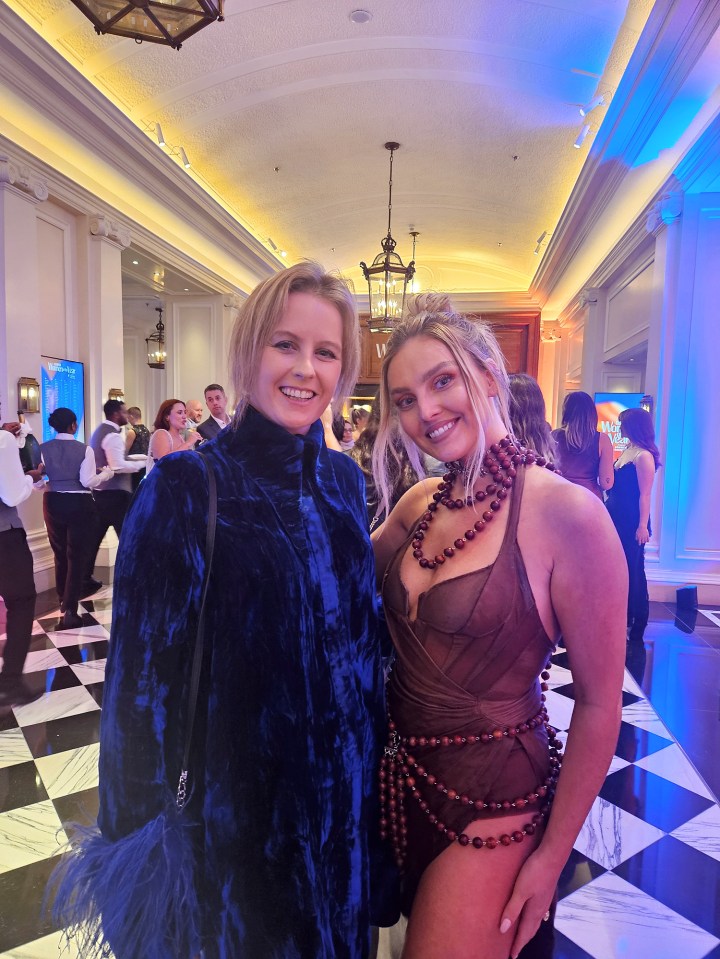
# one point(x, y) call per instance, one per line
point(217, 404)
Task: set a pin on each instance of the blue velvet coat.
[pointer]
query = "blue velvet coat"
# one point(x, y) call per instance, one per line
point(291, 705)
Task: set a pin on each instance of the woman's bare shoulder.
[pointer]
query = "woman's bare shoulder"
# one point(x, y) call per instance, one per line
point(560, 507)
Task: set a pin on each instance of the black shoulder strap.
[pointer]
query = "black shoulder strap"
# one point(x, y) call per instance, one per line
point(200, 638)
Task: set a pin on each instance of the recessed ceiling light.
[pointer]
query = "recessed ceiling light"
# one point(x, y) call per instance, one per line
point(136, 262)
point(186, 289)
point(361, 16)
point(283, 252)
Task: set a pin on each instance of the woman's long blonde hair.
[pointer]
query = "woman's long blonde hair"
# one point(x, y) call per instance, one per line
point(260, 314)
point(474, 348)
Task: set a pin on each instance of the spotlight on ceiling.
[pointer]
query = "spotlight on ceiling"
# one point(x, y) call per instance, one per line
point(581, 136)
point(184, 158)
point(159, 135)
point(540, 240)
point(597, 101)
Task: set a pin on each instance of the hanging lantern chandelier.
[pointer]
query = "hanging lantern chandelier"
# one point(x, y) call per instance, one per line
point(159, 21)
point(387, 277)
point(156, 353)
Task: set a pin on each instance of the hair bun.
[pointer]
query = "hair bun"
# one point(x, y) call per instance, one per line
point(428, 303)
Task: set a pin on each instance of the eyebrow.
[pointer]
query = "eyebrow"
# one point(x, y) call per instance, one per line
point(433, 371)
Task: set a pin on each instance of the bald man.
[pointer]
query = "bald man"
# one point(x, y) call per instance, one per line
point(194, 411)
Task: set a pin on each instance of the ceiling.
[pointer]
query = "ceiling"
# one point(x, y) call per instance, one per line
point(283, 110)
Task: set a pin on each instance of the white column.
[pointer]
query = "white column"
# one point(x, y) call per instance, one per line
point(593, 351)
point(101, 333)
point(20, 192)
point(682, 375)
point(101, 329)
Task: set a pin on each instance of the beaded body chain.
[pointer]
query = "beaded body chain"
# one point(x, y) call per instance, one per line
point(401, 775)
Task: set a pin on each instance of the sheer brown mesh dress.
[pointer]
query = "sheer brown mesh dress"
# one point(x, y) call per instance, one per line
point(468, 664)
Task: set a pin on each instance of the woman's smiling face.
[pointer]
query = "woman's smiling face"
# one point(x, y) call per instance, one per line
point(301, 365)
point(429, 393)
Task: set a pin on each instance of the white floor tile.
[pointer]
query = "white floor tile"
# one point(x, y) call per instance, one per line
point(560, 709)
point(610, 835)
point(69, 772)
point(91, 672)
point(56, 705)
point(13, 748)
point(83, 634)
point(49, 947)
point(672, 763)
point(702, 832)
point(29, 834)
point(642, 715)
point(610, 918)
point(44, 659)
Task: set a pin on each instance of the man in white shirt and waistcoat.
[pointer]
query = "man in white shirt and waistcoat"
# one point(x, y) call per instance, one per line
point(217, 404)
point(17, 583)
point(108, 445)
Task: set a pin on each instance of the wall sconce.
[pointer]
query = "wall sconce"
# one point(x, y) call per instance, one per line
point(28, 395)
point(115, 394)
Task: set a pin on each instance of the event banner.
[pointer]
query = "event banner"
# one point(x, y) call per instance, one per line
point(609, 407)
point(62, 383)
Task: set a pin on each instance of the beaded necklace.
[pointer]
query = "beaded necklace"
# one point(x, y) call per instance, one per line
point(501, 461)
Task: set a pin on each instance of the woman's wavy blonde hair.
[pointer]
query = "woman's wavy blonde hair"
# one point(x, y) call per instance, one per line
point(474, 348)
point(260, 314)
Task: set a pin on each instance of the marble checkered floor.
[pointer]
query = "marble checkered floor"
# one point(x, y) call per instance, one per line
point(642, 882)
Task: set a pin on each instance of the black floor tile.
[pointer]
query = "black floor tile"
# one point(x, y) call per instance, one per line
point(60, 735)
point(680, 877)
point(652, 798)
point(567, 949)
point(635, 743)
point(21, 894)
point(20, 785)
point(577, 872)
point(96, 691)
point(85, 652)
point(81, 807)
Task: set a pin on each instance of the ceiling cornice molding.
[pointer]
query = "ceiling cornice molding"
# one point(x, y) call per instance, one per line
point(511, 302)
point(38, 74)
point(674, 38)
point(698, 168)
point(85, 203)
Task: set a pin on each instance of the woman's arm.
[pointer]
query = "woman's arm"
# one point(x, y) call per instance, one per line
point(156, 597)
point(645, 468)
point(588, 590)
point(129, 438)
point(160, 445)
point(606, 473)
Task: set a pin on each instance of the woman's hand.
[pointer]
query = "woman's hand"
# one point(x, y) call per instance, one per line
point(530, 902)
point(642, 535)
point(193, 439)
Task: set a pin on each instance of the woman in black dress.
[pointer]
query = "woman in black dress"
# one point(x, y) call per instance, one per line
point(629, 505)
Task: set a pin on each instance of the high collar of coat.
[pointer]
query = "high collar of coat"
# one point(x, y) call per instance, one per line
point(271, 451)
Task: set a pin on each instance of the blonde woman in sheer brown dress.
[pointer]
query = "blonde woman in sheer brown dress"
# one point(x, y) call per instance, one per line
point(479, 578)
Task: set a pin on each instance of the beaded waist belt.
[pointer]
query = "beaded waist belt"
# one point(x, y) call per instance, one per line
point(401, 774)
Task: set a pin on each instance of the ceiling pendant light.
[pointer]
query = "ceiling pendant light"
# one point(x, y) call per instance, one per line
point(159, 21)
point(387, 277)
point(156, 353)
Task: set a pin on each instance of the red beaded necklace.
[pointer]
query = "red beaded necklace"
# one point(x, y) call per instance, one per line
point(500, 461)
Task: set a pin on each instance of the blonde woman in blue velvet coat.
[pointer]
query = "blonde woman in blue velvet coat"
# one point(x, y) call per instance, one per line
point(291, 704)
